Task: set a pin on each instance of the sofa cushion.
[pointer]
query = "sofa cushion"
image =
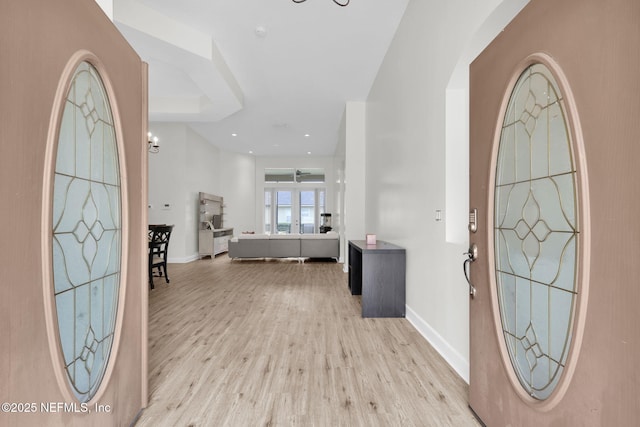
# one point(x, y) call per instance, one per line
point(322, 236)
point(284, 248)
point(284, 237)
point(285, 245)
point(320, 248)
point(253, 236)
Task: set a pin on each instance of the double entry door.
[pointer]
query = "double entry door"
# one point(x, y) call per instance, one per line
point(290, 210)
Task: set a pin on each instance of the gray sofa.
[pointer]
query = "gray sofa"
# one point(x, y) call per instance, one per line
point(285, 246)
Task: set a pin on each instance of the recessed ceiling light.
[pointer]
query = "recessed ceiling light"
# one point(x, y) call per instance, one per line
point(307, 135)
point(250, 151)
point(234, 134)
point(308, 152)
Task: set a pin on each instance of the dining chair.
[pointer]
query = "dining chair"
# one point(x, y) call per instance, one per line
point(159, 236)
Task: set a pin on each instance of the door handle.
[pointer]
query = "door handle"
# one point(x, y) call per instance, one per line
point(472, 255)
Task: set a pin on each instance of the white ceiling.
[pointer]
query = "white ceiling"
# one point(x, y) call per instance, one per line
point(209, 68)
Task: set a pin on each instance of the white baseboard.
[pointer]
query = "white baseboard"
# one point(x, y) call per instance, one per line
point(183, 260)
point(450, 355)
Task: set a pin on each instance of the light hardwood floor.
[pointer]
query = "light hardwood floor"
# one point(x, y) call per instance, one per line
point(277, 343)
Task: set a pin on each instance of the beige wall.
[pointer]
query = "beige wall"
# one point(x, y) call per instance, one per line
point(354, 224)
point(188, 164)
point(406, 158)
point(37, 41)
point(339, 188)
point(185, 165)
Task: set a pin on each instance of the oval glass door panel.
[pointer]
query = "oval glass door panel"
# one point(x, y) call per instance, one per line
point(536, 232)
point(86, 232)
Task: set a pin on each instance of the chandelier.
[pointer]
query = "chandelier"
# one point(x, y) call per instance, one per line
point(342, 3)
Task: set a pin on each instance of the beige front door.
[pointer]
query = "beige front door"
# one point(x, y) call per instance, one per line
point(555, 125)
point(73, 288)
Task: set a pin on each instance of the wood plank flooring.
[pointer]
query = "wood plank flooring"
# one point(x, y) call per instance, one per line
point(278, 343)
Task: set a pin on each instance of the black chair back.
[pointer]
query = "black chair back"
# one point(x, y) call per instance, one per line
point(159, 236)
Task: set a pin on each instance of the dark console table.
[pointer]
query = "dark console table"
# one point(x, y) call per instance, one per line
point(377, 272)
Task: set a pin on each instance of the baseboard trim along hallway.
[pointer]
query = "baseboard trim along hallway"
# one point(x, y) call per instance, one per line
point(455, 359)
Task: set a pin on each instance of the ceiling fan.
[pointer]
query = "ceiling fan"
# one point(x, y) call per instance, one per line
point(300, 173)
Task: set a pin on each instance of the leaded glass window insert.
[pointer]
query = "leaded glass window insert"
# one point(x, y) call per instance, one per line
point(536, 232)
point(87, 235)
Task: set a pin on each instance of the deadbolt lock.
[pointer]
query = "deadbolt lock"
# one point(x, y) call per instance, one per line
point(473, 220)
